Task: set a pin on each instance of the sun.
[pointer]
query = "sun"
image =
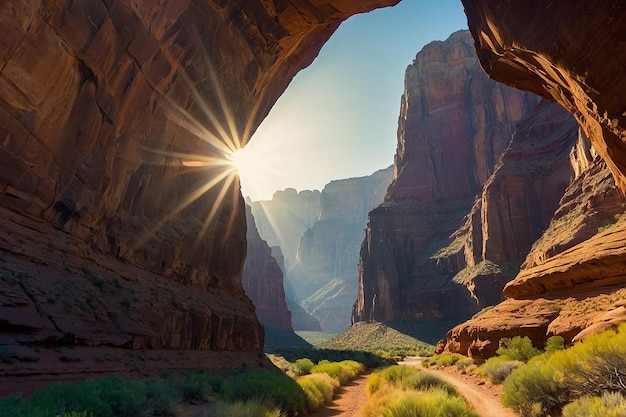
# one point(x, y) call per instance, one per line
point(244, 162)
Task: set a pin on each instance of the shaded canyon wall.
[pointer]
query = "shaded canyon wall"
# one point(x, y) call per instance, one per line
point(112, 114)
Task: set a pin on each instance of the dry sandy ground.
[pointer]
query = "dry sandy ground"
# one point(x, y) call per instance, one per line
point(480, 394)
point(350, 401)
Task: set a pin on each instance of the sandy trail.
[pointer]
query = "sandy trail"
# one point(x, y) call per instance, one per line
point(349, 402)
point(483, 397)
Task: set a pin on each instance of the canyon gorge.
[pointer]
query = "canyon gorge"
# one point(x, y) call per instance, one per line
point(123, 231)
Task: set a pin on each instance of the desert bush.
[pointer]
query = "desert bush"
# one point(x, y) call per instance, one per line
point(431, 403)
point(343, 371)
point(610, 404)
point(304, 365)
point(443, 360)
point(406, 378)
point(531, 389)
point(250, 408)
point(199, 385)
point(519, 349)
point(463, 363)
point(498, 368)
point(281, 389)
point(318, 388)
point(554, 344)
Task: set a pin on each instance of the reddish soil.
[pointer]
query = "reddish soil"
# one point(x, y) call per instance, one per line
point(349, 402)
point(482, 395)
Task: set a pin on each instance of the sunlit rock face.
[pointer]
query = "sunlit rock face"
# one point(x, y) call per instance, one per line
point(263, 280)
point(99, 102)
point(571, 283)
point(454, 124)
point(325, 274)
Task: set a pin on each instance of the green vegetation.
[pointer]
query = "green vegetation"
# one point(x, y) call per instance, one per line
point(498, 368)
point(379, 339)
point(610, 404)
point(443, 360)
point(582, 374)
point(236, 392)
point(518, 349)
point(401, 391)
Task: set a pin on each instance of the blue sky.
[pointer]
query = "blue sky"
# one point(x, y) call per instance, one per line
point(338, 117)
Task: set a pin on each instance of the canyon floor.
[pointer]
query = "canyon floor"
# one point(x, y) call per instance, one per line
point(483, 396)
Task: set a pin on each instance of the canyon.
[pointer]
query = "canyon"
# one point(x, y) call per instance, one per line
point(122, 226)
point(321, 234)
point(114, 113)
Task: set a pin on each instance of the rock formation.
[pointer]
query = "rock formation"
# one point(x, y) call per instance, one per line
point(454, 124)
point(326, 273)
point(569, 53)
point(283, 219)
point(112, 116)
point(263, 280)
point(322, 232)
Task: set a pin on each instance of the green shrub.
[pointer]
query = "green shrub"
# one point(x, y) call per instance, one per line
point(432, 403)
point(443, 360)
point(324, 383)
point(304, 365)
point(343, 371)
point(610, 404)
point(406, 378)
point(250, 408)
point(199, 385)
point(284, 391)
point(531, 389)
point(554, 344)
point(519, 349)
point(463, 363)
point(498, 368)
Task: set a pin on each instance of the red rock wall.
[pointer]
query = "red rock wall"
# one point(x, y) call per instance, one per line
point(571, 53)
point(98, 99)
point(454, 124)
point(263, 280)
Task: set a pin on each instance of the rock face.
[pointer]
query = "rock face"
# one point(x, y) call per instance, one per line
point(112, 115)
point(454, 124)
point(283, 219)
point(322, 231)
point(575, 271)
point(326, 274)
point(263, 280)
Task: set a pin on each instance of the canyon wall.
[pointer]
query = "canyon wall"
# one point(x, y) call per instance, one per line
point(322, 231)
point(572, 282)
point(326, 273)
point(454, 124)
point(122, 225)
point(262, 279)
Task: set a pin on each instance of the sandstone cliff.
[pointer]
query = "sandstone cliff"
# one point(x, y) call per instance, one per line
point(262, 280)
point(454, 124)
point(326, 273)
point(113, 117)
point(572, 281)
point(283, 219)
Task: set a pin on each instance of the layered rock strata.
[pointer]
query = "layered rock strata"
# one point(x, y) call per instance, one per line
point(454, 124)
point(577, 262)
point(263, 280)
point(571, 53)
point(112, 115)
point(326, 274)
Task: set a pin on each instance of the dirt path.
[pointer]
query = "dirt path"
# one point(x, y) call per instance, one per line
point(481, 395)
point(349, 402)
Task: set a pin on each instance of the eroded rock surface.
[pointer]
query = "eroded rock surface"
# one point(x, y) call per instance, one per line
point(263, 280)
point(109, 114)
point(454, 124)
point(570, 53)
